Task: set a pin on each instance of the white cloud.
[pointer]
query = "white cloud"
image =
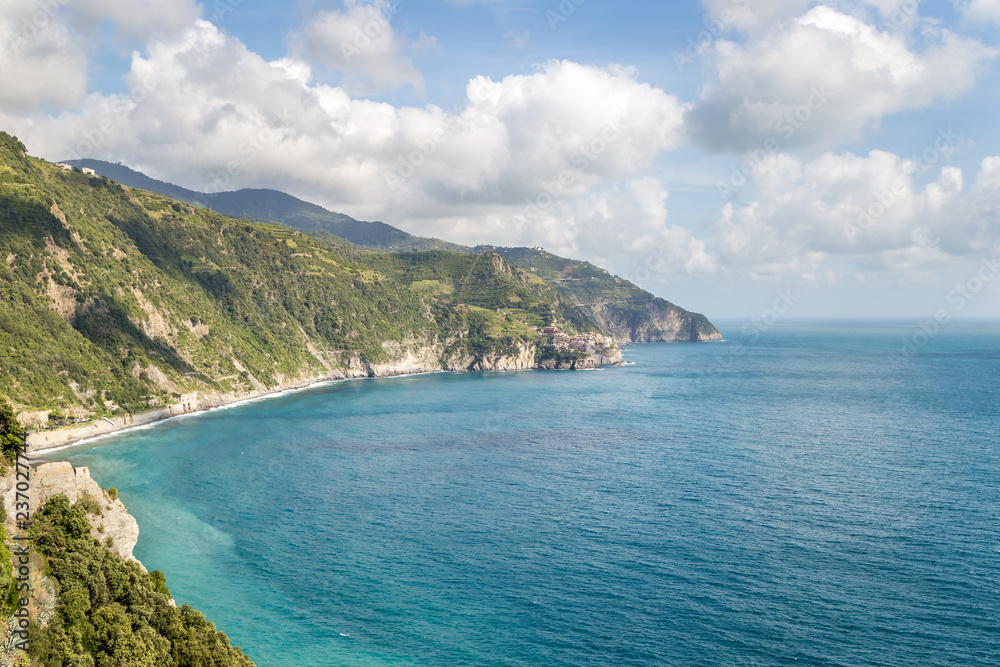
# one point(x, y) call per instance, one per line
point(748, 15)
point(205, 112)
point(869, 209)
point(983, 10)
point(825, 78)
point(623, 226)
point(41, 62)
point(140, 19)
point(361, 44)
point(45, 45)
point(560, 157)
point(424, 43)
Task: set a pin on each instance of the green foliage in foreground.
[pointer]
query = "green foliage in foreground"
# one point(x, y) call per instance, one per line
point(11, 433)
point(110, 612)
point(8, 586)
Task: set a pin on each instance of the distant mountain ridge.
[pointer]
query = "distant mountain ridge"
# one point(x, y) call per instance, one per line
point(122, 301)
point(621, 308)
point(275, 206)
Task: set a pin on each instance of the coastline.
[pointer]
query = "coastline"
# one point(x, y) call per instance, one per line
point(419, 362)
point(153, 418)
point(216, 402)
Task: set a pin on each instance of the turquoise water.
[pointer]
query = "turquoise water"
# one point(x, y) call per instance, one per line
point(814, 497)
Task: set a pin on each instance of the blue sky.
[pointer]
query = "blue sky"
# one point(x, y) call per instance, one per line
point(715, 152)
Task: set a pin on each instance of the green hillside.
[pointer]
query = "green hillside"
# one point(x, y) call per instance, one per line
point(503, 300)
point(118, 297)
point(274, 206)
point(624, 310)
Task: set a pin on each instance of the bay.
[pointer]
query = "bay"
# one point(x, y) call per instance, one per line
point(802, 493)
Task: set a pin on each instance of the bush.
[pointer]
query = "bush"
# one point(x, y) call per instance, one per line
point(11, 433)
point(110, 612)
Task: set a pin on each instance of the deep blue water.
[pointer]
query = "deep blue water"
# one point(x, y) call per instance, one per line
point(814, 497)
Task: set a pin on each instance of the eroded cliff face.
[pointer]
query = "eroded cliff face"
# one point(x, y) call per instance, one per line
point(408, 358)
point(50, 479)
point(657, 321)
point(416, 357)
point(522, 359)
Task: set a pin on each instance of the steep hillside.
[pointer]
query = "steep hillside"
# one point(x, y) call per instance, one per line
point(119, 300)
point(622, 309)
point(483, 280)
point(627, 312)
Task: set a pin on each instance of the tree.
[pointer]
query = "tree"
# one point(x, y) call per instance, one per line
point(11, 433)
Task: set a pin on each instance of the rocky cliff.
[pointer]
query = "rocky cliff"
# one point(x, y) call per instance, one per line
point(88, 607)
point(654, 321)
point(120, 301)
point(111, 521)
point(410, 358)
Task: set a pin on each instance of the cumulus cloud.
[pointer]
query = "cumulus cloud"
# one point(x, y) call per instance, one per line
point(45, 46)
point(362, 46)
point(41, 62)
point(655, 246)
point(139, 19)
point(983, 10)
point(204, 111)
point(562, 156)
point(824, 78)
point(872, 208)
point(747, 15)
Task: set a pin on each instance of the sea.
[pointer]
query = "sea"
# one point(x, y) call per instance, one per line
point(805, 493)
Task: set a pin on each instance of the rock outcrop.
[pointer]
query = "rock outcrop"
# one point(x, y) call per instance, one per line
point(112, 520)
point(520, 359)
point(412, 358)
point(656, 321)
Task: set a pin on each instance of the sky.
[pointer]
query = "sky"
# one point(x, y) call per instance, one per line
point(741, 158)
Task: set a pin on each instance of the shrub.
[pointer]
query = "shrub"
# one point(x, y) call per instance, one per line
point(110, 612)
